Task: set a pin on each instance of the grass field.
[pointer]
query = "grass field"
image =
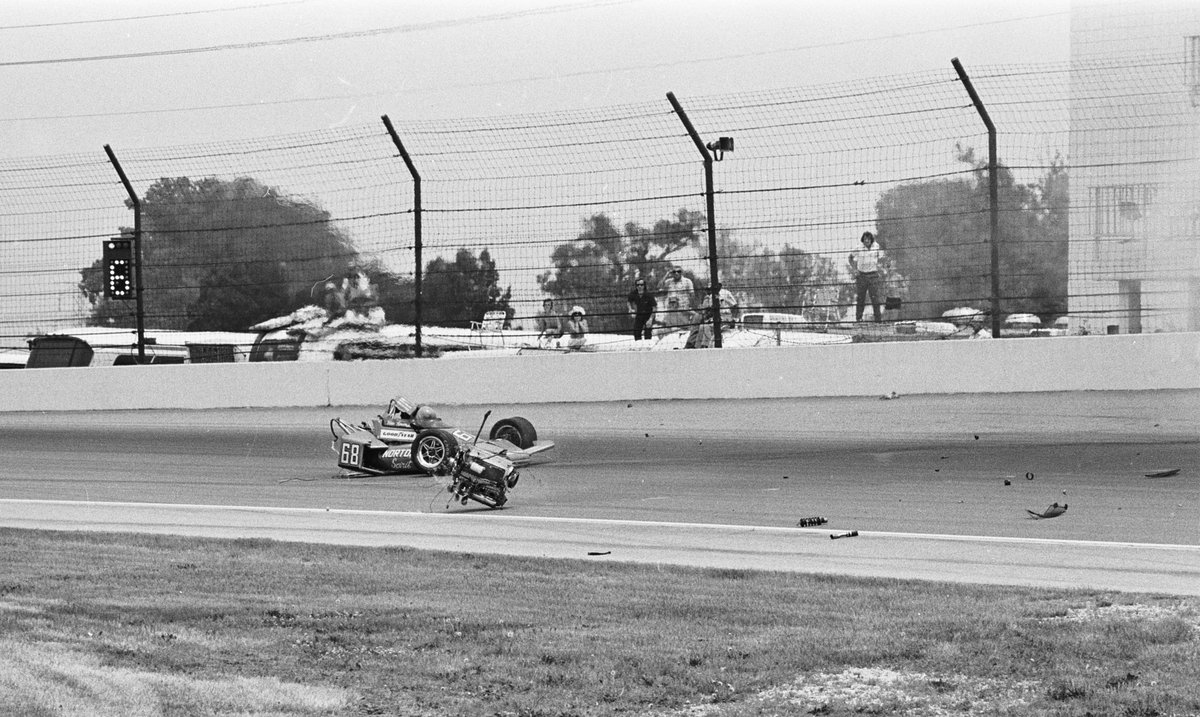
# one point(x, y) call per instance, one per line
point(97, 625)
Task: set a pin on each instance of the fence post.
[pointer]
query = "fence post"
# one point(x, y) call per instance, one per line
point(137, 255)
point(714, 287)
point(993, 192)
point(416, 176)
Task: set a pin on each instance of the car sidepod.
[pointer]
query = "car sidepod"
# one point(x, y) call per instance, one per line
point(359, 450)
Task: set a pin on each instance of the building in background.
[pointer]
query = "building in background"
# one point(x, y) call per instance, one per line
point(1135, 167)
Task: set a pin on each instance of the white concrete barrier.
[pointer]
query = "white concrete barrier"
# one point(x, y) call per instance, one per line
point(1084, 363)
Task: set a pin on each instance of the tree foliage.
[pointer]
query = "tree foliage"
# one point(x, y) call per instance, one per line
point(459, 292)
point(789, 280)
point(223, 255)
point(598, 268)
point(938, 233)
point(227, 254)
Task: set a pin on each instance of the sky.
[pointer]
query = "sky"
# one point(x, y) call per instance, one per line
point(79, 74)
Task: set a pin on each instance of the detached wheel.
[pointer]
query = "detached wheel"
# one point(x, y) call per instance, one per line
point(515, 430)
point(433, 449)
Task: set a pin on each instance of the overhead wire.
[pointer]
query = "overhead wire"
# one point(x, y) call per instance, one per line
point(507, 81)
point(350, 34)
point(181, 13)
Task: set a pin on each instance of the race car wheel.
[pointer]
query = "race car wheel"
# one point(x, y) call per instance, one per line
point(433, 449)
point(515, 430)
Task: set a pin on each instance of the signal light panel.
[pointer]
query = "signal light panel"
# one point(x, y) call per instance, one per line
point(118, 268)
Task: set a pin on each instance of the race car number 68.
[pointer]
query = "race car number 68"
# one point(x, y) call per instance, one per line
point(351, 453)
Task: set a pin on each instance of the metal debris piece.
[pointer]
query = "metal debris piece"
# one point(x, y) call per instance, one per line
point(847, 534)
point(1053, 511)
point(811, 522)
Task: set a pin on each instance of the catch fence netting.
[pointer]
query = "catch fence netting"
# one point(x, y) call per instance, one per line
point(1096, 188)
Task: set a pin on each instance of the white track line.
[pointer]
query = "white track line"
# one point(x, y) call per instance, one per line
point(497, 516)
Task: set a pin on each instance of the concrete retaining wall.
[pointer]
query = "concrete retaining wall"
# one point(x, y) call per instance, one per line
point(1083, 363)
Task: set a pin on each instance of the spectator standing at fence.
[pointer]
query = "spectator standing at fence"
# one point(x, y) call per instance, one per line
point(677, 298)
point(702, 336)
point(576, 328)
point(868, 275)
point(360, 295)
point(642, 305)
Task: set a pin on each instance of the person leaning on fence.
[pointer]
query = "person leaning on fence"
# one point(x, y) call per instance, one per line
point(549, 323)
point(868, 275)
point(677, 299)
point(702, 335)
point(642, 306)
point(576, 328)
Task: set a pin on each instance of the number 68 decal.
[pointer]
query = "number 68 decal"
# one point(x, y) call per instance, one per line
point(351, 454)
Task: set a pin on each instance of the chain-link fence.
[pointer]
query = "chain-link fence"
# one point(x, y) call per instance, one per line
point(576, 206)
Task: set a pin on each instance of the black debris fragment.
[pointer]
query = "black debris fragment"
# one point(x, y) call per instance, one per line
point(1053, 511)
point(847, 534)
point(811, 522)
point(1163, 474)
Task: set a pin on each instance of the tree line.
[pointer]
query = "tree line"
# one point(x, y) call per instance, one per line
point(227, 254)
point(223, 255)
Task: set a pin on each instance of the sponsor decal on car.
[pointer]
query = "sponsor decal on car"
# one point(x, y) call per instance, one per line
point(396, 434)
point(398, 457)
point(350, 454)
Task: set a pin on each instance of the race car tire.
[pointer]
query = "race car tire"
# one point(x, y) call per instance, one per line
point(515, 430)
point(433, 449)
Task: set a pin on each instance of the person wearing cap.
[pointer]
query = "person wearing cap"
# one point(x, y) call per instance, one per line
point(677, 298)
point(576, 328)
point(642, 306)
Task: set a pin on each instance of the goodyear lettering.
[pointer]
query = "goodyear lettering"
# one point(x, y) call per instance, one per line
point(395, 434)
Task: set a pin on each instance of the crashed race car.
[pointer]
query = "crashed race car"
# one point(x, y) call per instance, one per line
point(413, 439)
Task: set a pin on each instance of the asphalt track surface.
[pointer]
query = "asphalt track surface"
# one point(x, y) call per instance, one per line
point(937, 487)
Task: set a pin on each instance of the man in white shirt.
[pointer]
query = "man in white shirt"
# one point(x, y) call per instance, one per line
point(676, 307)
point(868, 276)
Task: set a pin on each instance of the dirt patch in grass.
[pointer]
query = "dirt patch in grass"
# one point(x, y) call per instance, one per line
point(1132, 611)
point(880, 690)
point(52, 679)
